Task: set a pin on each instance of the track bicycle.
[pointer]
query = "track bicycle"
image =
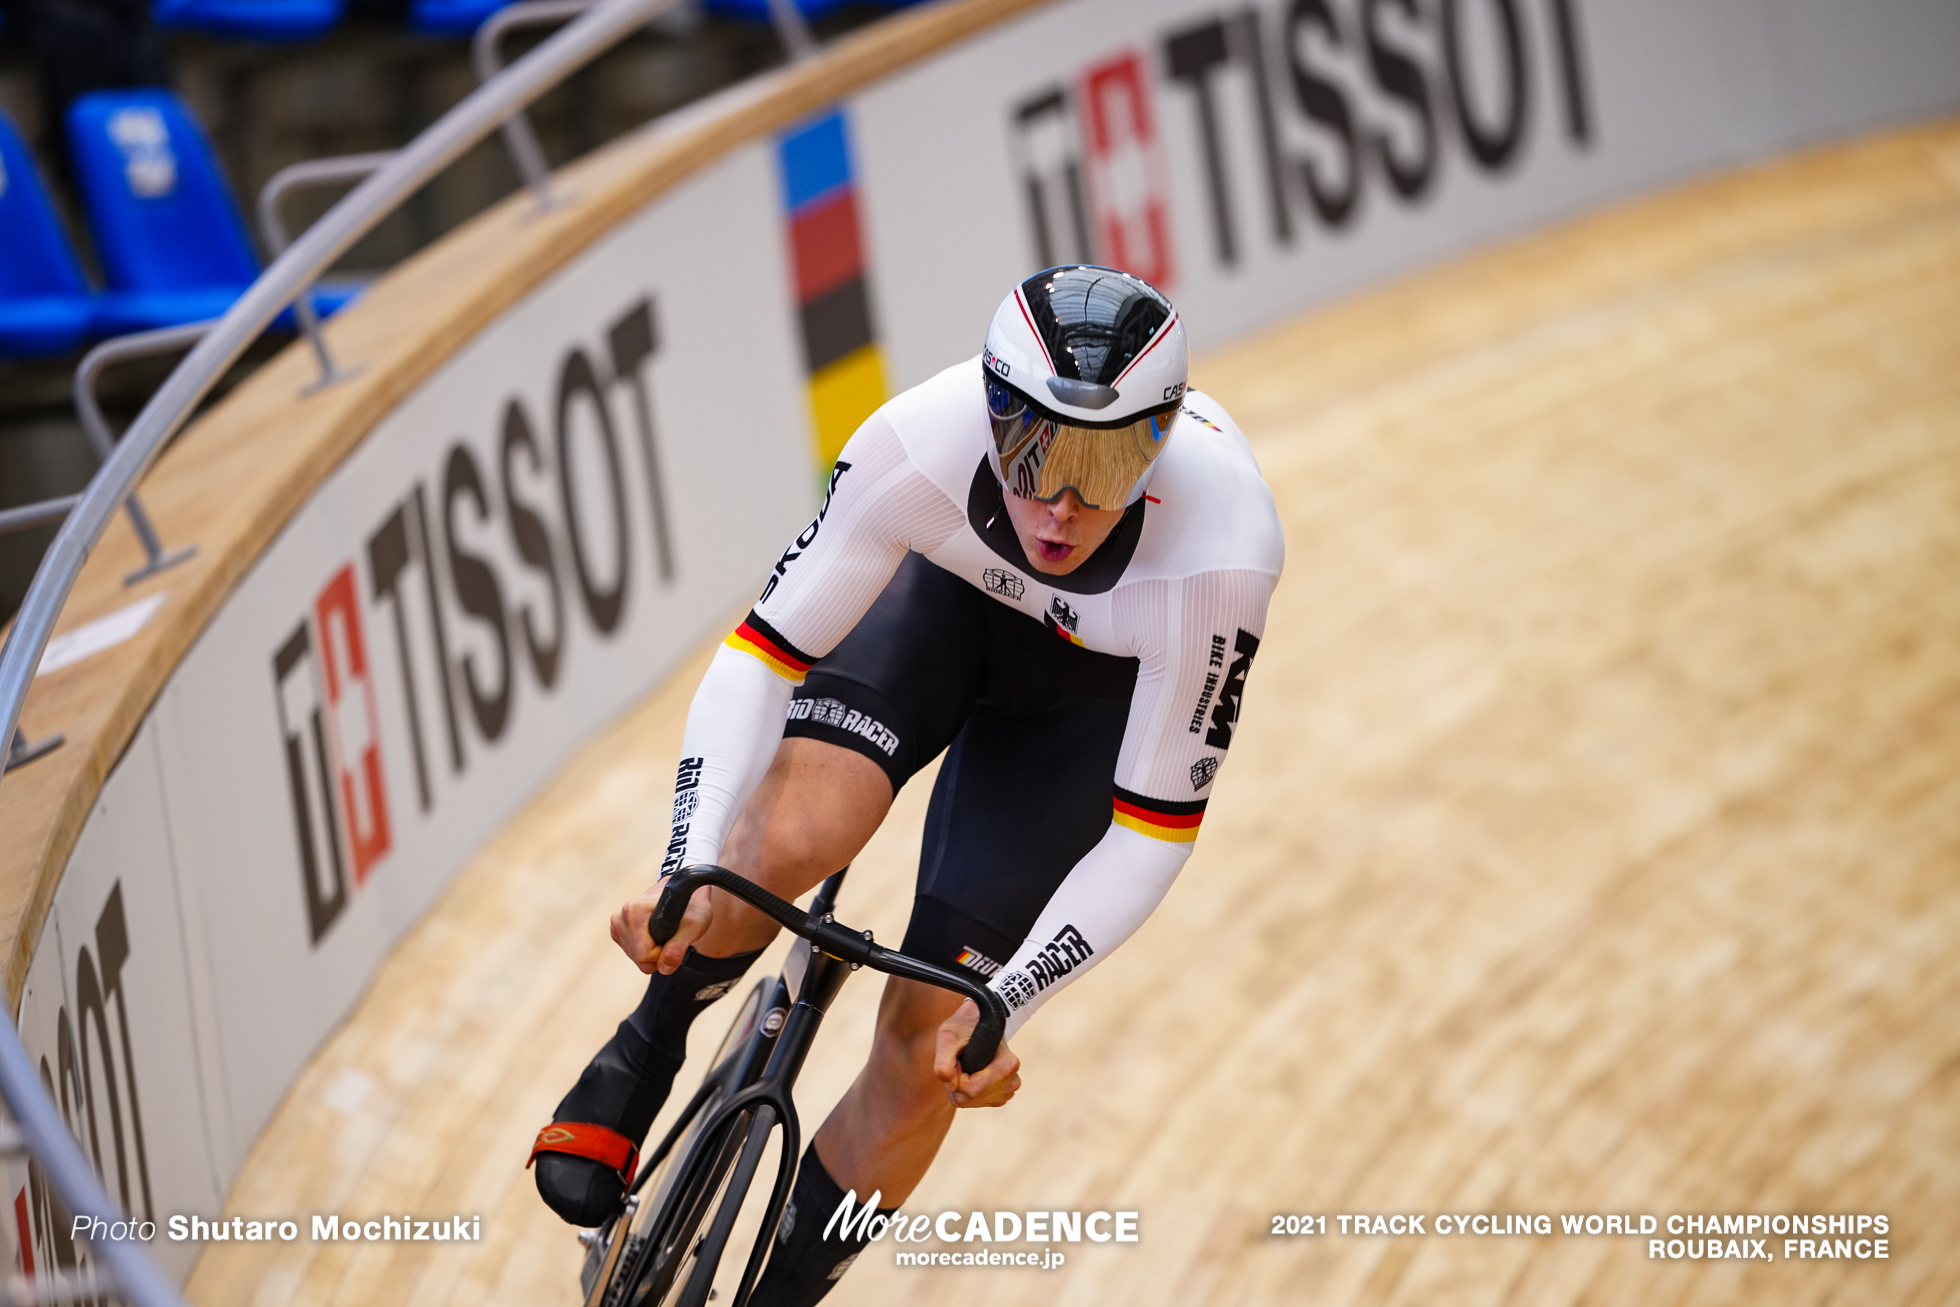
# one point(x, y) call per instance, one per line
point(662, 1247)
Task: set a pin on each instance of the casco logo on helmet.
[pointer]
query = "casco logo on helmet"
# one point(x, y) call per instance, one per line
point(1105, 364)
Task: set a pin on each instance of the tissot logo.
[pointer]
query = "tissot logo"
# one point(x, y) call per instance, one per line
point(92, 1078)
point(1299, 110)
point(467, 618)
point(1097, 186)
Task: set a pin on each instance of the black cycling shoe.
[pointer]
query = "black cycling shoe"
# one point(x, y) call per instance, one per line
point(621, 1090)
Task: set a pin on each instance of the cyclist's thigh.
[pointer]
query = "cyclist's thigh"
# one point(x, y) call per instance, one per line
point(1023, 794)
point(898, 688)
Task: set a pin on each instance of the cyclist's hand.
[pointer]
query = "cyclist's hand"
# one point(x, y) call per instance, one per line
point(994, 1084)
point(629, 930)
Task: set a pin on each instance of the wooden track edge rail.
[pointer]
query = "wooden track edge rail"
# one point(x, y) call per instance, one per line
point(234, 478)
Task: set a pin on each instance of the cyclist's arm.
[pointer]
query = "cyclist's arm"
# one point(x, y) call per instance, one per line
point(878, 506)
point(1196, 639)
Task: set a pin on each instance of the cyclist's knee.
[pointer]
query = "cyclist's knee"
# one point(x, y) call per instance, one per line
point(814, 810)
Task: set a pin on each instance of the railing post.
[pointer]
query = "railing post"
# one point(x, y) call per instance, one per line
point(793, 29)
point(313, 172)
point(138, 345)
point(520, 138)
point(21, 751)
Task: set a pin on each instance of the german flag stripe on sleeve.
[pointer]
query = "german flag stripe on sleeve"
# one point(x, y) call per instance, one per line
point(1160, 819)
point(755, 636)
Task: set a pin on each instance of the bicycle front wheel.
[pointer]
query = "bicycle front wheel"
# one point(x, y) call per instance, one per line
point(665, 1238)
point(734, 1191)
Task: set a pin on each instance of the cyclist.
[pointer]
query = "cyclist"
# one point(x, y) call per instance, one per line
point(1052, 562)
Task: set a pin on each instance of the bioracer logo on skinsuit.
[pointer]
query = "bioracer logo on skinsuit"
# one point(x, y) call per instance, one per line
point(687, 797)
point(1061, 955)
point(833, 712)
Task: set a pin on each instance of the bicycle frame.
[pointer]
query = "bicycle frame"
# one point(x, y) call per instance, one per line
point(811, 978)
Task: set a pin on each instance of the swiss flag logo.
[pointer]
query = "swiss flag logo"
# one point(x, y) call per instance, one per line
point(353, 726)
point(1127, 184)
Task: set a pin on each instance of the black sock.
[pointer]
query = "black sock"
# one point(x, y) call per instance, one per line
point(625, 1084)
point(805, 1263)
point(672, 1002)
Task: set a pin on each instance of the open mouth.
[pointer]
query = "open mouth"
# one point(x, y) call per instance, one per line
point(1053, 551)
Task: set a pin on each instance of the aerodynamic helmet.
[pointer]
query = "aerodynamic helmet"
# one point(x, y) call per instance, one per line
point(1085, 370)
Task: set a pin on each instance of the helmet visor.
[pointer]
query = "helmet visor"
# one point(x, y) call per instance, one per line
point(1041, 457)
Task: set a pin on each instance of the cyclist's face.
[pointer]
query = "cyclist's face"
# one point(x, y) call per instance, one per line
point(1059, 537)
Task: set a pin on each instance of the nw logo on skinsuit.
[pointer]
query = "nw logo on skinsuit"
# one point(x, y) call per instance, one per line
point(1227, 710)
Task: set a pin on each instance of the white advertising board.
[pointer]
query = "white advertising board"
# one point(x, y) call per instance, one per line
point(536, 536)
point(1259, 158)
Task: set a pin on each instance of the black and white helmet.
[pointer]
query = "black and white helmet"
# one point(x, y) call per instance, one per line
point(1086, 369)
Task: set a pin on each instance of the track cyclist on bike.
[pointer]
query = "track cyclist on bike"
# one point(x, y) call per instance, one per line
point(1052, 562)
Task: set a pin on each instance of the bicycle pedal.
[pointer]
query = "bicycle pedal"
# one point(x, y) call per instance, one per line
point(590, 1238)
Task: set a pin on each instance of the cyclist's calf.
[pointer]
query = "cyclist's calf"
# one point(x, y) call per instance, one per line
point(885, 1131)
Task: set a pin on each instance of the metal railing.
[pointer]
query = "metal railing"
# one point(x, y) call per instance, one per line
point(388, 182)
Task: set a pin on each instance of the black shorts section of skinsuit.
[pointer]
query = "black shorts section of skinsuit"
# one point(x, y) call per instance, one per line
point(1031, 724)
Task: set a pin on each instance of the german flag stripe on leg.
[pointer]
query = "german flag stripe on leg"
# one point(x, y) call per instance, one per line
point(755, 636)
point(1160, 819)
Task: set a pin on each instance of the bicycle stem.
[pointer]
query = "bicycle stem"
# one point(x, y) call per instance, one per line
point(840, 942)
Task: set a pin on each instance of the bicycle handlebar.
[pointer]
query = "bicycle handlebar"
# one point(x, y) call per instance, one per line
point(840, 942)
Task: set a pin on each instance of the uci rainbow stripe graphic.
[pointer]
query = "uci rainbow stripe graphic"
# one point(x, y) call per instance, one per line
point(757, 637)
point(1160, 819)
point(840, 349)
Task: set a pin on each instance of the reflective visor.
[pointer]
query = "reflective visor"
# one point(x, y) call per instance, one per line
point(1041, 456)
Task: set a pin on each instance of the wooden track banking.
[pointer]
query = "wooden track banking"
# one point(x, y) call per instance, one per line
point(1590, 844)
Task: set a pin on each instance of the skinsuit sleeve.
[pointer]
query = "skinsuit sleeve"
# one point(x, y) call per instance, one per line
point(1195, 640)
point(877, 506)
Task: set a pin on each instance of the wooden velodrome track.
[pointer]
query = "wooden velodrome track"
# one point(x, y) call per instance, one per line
point(1590, 845)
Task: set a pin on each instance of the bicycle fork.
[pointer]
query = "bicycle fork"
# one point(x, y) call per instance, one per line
point(821, 976)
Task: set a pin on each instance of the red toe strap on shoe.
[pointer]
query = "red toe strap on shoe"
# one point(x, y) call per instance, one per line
point(596, 1142)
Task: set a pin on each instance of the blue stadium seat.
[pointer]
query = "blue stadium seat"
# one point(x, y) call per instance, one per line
point(45, 305)
point(172, 244)
point(758, 10)
point(450, 17)
point(251, 20)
